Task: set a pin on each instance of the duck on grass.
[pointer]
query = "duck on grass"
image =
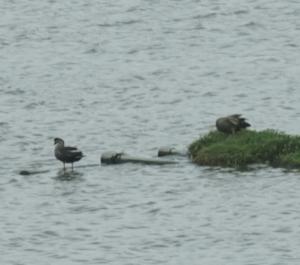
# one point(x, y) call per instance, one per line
point(247, 147)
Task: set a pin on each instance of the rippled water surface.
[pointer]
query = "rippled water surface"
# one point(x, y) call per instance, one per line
point(134, 76)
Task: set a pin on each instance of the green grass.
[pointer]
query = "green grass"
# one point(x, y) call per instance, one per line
point(245, 148)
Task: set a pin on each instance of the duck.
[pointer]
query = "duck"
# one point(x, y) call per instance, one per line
point(66, 154)
point(231, 124)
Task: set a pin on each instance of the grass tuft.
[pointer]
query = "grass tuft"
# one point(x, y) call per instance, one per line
point(245, 148)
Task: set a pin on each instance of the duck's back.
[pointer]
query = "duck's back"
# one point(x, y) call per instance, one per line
point(231, 124)
point(67, 154)
point(224, 125)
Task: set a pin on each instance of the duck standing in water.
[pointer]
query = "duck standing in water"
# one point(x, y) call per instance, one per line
point(231, 124)
point(66, 154)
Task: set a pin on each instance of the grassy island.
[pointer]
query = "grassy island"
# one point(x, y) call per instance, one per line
point(247, 147)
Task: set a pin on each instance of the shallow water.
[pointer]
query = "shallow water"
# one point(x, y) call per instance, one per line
point(133, 77)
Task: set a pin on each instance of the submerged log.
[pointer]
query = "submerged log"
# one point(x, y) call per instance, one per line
point(119, 158)
point(166, 151)
point(26, 172)
point(32, 172)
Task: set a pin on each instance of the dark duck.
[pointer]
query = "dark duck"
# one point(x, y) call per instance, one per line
point(66, 154)
point(231, 124)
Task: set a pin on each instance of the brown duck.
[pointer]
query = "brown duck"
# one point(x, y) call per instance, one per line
point(231, 124)
point(66, 154)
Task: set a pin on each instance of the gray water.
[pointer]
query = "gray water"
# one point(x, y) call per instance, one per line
point(134, 76)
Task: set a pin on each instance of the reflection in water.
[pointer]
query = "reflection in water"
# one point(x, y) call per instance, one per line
point(68, 175)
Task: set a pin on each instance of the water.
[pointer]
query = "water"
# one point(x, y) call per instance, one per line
point(134, 76)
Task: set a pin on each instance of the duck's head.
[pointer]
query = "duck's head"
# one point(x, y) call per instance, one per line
point(58, 141)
